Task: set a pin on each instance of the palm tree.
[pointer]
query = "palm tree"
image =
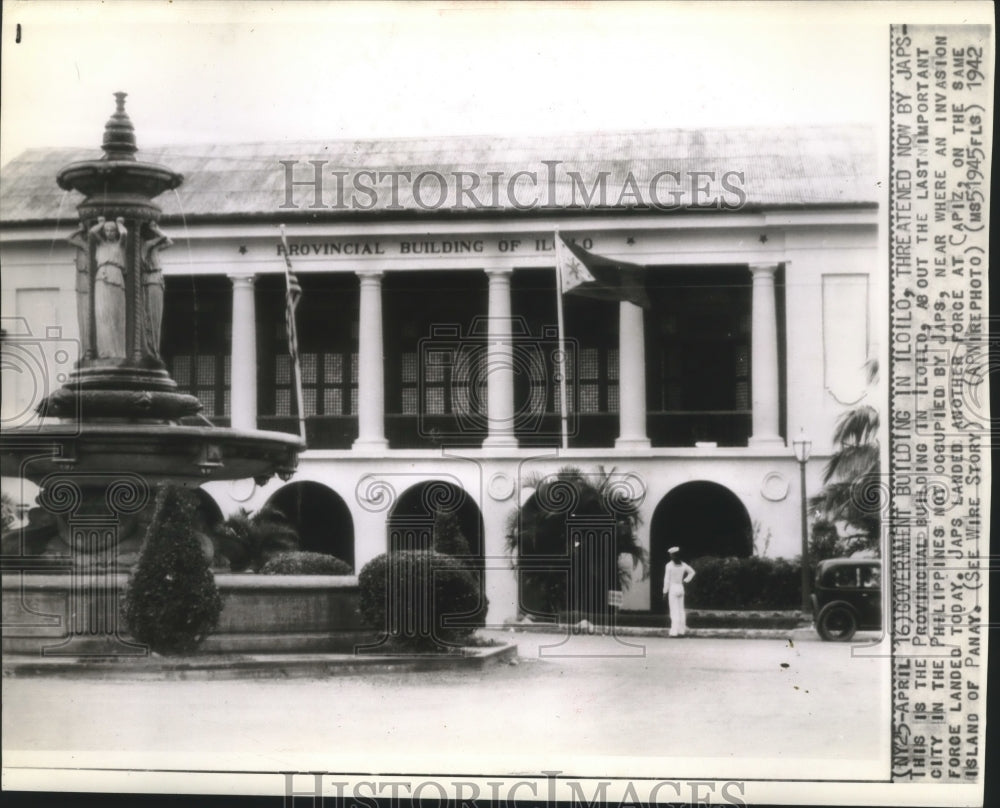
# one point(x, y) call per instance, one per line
point(551, 544)
point(852, 491)
point(248, 541)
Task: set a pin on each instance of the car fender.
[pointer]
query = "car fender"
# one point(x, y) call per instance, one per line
point(834, 603)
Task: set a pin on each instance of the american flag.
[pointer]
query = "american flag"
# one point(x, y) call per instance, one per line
point(293, 293)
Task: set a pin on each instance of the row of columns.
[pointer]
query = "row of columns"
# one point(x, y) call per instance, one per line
point(500, 363)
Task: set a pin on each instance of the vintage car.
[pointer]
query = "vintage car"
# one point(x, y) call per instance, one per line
point(847, 597)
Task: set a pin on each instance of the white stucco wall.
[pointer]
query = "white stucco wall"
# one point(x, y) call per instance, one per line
point(38, 287)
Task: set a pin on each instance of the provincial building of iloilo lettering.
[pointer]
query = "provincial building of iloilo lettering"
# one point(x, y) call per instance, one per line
point(429, 339)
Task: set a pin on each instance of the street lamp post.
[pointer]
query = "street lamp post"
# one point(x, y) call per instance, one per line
point(802, 447)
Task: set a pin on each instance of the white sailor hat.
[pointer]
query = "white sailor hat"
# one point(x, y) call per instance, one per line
point(673, 549)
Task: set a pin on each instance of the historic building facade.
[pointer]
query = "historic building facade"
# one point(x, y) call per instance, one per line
point(427, 324)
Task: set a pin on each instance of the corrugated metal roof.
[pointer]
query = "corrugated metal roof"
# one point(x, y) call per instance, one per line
point(782, 167)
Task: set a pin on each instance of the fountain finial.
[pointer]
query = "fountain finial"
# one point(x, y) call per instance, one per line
point(119, 134)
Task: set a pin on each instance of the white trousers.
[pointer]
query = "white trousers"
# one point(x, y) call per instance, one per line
point(678, 623)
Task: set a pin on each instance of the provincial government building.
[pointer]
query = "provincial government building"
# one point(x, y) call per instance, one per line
point(428, 327)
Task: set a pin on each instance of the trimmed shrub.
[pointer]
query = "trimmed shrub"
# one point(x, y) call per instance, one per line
point(744, 583)
point(424, 601)
point(172, 602)
point(448, 537)
point(301, 562)
point(449, 540)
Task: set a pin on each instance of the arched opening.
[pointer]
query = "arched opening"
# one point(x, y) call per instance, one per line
point(209, 513)
point(209, 519)
point(411, 525)
point(411, 522)
point(569, 541)
point(320, 516)
point(703, 519)
point(132, 528)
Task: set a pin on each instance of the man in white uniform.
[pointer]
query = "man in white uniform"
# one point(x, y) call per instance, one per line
point(675, 575)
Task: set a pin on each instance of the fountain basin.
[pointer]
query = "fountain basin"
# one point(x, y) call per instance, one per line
point(260, 613)
point(127, 177)
point(155, 451)
point(118, 187)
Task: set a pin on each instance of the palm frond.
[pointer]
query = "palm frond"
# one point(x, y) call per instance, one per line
point(871, 370)
point(249, 540)
point(538, 538)
point(852, 461)
point(856, 427)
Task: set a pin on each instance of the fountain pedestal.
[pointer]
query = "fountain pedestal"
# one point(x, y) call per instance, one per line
point(113, 431)
point(121, 374)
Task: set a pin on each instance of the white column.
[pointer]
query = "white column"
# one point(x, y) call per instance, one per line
point(764, 358)
point(631, 378)
point(371, 373)
point(243, 356)
point(499, 370)
point(500, 582)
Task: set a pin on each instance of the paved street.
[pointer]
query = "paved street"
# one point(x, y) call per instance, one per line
point(752, 708)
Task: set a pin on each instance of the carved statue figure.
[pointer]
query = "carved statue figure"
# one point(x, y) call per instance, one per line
point(78, 238)
point(109, 287)
point(152, 287)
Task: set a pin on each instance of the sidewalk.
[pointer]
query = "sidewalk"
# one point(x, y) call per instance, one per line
point(252, 666)
point(797, 634)
point(705, 623)
point(205, 666)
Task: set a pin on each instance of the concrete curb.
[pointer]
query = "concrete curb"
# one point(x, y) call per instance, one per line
point(253, 666)
point(801, 633)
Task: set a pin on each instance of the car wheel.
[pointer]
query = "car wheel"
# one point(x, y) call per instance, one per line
point(837, 622)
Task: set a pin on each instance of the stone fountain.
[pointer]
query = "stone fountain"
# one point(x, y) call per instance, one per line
point(114, 430)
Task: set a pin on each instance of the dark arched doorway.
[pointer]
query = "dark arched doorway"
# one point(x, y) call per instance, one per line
point(321, 517)
point(209, 513)
point(569, 540)
point(412, 519)
point(411, 526)
point(132, 528)
point(703, 519)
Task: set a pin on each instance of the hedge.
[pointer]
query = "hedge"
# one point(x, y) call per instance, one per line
point(300, 562)
point(744, 583)
point(172, 602)
point(421, 599)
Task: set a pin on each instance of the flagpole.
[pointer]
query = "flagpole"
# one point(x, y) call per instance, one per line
point(564, 419)
point(293, 350)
